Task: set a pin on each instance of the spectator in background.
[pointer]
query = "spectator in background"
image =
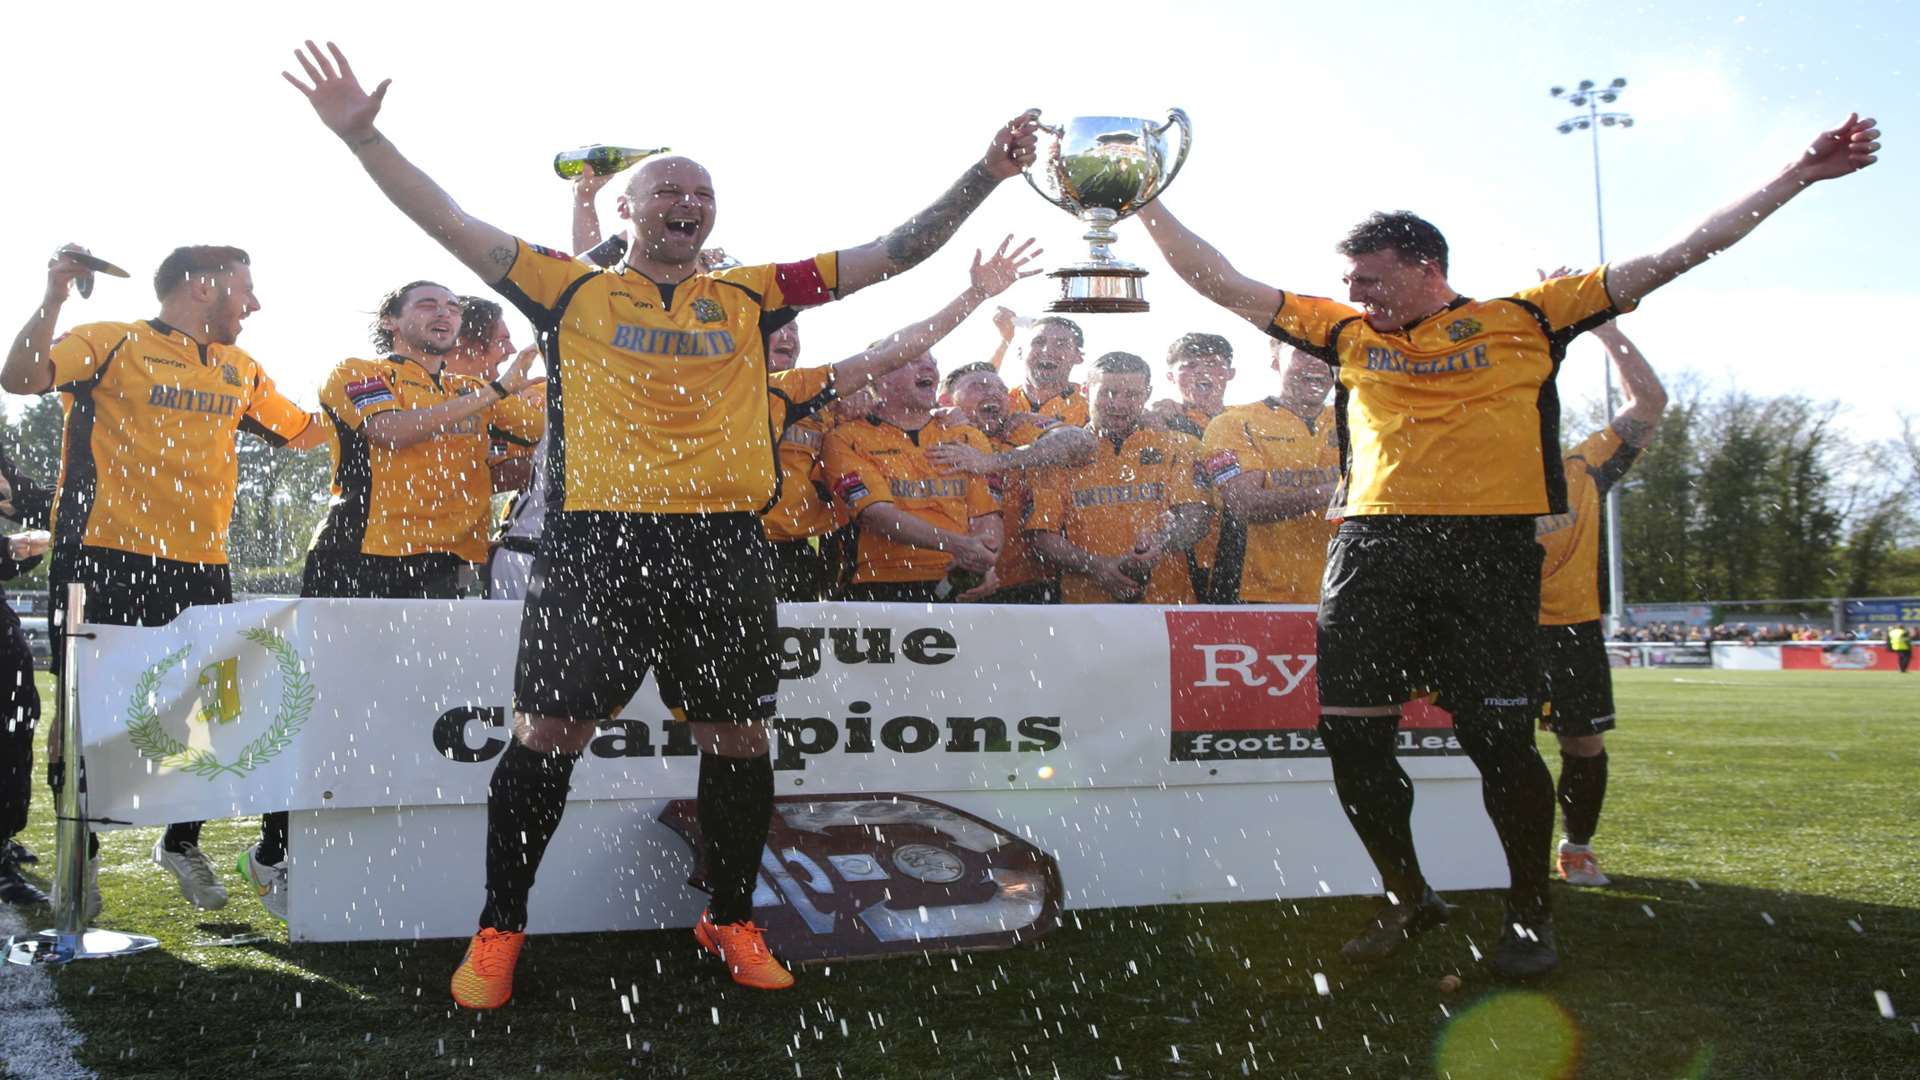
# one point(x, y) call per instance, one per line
point(26, 501)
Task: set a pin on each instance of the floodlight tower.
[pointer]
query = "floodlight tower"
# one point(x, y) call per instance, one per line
point(1589, 95)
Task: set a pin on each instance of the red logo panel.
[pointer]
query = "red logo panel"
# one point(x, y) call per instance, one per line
point(1243, 686)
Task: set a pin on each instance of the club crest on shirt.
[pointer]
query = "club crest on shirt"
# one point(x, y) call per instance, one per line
point(230, 375)
point(707, 310)
point(1462, 329)
point(1151, 456)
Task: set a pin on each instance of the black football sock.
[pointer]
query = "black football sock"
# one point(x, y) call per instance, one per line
point(1377, 795)
point(1518, 792)
point(273, 838)
point(180, 834)
point(16, 773)
point(736, 808)
point(1583, 788)
point(524, 804)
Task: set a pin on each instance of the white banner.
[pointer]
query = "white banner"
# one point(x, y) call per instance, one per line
point(311, 704)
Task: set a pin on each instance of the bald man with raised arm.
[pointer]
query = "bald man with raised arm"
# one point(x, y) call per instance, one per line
point(660, 457)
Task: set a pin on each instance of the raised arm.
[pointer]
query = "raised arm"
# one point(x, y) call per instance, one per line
point(1645, 398)
point(1842, 151)
point(586, 216)
point(29, 367)
point(924, 233)
point(989, 279)
point(1202, 266)
point(1004, 322)
point(349, 112)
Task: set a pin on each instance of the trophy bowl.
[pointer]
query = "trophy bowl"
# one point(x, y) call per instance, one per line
point(1101, 169)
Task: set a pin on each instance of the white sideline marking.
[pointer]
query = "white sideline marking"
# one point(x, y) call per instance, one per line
point(36, 1042)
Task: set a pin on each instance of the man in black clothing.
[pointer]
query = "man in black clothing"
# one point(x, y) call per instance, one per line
point(25, 501)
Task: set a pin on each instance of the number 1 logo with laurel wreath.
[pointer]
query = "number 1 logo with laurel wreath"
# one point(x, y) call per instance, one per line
point(220, 704)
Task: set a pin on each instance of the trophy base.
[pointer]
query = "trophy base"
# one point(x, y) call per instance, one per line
point(52, 947)
point(1099, 290)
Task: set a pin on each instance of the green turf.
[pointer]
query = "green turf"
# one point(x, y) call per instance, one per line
point(1761, 828)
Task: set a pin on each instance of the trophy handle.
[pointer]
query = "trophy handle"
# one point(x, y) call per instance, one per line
point(1176, 116)
point(1053, 154)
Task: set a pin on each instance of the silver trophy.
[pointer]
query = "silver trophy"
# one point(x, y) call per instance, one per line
point(1101, 169)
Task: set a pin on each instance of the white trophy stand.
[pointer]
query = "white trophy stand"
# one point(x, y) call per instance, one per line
point(70, 939)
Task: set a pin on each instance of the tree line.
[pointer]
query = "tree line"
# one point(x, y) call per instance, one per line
point(1747, 497)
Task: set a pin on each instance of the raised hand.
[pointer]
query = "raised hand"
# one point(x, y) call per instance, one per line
point(1013, 146)
point(515, 377)
point(997, 274)
point(1005, 321)
point(346, 109)
point(1558, 272)
point(1852, 146)
point(589, 182)
point(62, 272)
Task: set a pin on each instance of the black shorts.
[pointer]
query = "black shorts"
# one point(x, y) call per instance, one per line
point(432, 576)
point(1576, 680)
point(124, 589)
point(1417, 604)
point(799, 571)
point(614, 593)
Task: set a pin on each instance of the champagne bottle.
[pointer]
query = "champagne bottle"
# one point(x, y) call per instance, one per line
point(606, 160)
point(956, 582)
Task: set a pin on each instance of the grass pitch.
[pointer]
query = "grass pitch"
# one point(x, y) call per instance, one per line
point(1763, 831)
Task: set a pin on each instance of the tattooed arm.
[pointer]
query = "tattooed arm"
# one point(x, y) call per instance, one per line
point(349, 112)
point(924, 233)
point(1645, 398)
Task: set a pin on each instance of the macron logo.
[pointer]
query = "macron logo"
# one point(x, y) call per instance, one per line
point(1240, 660)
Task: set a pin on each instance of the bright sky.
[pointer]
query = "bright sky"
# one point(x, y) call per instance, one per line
point(137, 127)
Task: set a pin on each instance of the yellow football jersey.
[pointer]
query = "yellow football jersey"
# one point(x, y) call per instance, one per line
point(870, 461)
point(1068, 406)
point(1570, 575)
point(800, 424)
point(1272, 562)
point(1103, 505)
point(147, 462)
point(1456, 414)
point(431, 497)
point(657, 396)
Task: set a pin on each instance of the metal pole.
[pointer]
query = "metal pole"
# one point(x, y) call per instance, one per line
point(1616, 561)
point(70, 939)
